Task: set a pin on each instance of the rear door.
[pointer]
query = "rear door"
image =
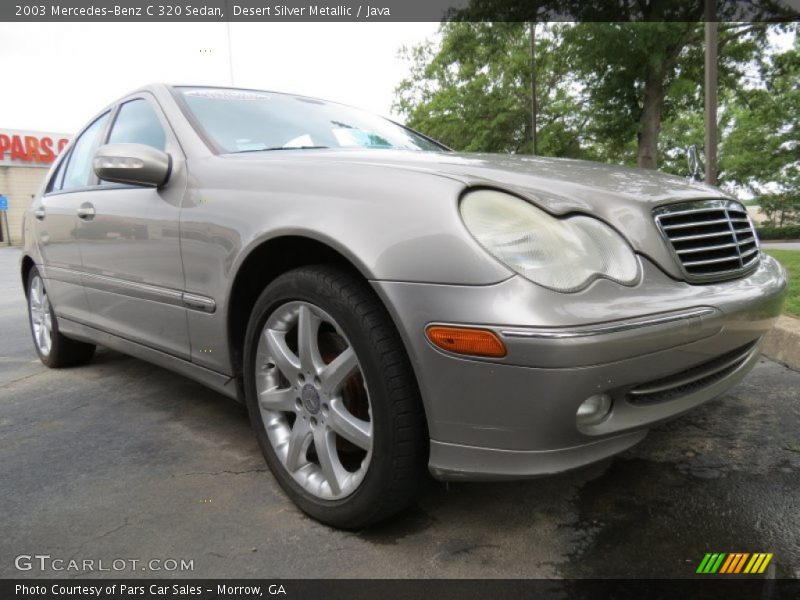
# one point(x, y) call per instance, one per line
point(130, 244)
point(56, 222)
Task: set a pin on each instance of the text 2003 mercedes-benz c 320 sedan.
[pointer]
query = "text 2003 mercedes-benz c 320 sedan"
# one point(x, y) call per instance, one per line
point(383, 304)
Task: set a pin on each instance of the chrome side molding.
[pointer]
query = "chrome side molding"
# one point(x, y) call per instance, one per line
point(198, 302)
point(577, 332)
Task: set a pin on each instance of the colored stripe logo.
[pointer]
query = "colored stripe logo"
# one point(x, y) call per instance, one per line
point(734, 563)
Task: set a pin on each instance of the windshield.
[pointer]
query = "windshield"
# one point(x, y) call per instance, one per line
point(252, 121)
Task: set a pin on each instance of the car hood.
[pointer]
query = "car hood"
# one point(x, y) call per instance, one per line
point(560, 185)
point(567, 184)
point(623, 197)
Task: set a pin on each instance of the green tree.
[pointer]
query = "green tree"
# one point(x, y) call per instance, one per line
point(472, 91)
point(605, 89)
point(761, 146)
point(629, 70)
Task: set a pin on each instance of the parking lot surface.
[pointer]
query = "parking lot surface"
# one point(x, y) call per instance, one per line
point(781, 245)
point(123, 460)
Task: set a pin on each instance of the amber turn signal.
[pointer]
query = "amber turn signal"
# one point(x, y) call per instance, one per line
point(466, 340)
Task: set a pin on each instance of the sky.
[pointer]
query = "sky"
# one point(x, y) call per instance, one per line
point(56, 76)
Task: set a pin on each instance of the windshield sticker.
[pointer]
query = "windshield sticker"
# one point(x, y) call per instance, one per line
point(247, 145)
point(227, 95)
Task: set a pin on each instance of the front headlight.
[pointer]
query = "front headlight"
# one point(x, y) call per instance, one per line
point(563, 254)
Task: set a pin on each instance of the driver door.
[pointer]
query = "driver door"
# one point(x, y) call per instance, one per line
point(130, 244)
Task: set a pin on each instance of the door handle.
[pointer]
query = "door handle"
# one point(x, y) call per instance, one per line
point(86, 212)
point(39, 213)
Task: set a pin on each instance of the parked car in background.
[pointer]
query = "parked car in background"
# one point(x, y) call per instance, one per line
point(384, 305)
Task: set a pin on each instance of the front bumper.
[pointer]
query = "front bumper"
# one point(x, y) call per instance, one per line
point(659, 349)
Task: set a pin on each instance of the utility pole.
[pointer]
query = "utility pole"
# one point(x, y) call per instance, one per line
point(534, 104)
point(711, 91)
point(230, 51)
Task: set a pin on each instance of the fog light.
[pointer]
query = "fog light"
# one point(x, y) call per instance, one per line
point(594, 410)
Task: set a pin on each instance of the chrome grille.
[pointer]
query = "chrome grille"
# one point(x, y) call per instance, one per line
point(711, 239)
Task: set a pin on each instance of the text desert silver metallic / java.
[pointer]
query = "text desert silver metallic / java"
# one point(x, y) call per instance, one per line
point(381, 303)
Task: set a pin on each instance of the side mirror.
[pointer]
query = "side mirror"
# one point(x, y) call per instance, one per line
point(135, 164)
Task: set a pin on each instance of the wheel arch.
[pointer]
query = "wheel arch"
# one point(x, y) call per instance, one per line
point(263, 263)
point(26, 264)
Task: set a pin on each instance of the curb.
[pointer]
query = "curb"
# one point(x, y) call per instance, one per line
point(783, 342)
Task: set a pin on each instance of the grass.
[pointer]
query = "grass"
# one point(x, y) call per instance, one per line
point(790, 259)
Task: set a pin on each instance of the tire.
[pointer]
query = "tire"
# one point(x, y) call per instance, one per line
point(308, 416)
point(54, 349)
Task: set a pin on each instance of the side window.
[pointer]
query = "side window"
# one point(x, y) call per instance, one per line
point(57, 180)
point(79, 171)
point(137, 123)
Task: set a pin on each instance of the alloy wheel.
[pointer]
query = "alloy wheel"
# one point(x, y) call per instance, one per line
point(313, 400)
point(41, 317)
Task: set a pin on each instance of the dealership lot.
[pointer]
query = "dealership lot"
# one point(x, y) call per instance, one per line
point(123, 460)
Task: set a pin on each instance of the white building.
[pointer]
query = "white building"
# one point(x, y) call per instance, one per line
point(25, 158)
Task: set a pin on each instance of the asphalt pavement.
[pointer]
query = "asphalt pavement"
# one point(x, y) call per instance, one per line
point(123, 460)
point(780, 245)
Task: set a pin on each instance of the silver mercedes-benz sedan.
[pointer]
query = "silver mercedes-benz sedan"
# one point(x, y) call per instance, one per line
point(383, 304)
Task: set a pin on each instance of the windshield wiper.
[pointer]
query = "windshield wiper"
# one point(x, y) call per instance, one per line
point(280, 148)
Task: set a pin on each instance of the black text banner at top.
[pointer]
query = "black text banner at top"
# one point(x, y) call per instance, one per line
point(397, 10)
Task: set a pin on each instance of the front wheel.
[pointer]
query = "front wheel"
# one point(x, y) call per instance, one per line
point(332, 398)
point(54, 349)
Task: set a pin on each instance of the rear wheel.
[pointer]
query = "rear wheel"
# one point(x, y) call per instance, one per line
point(332, 398)
point(54, 349)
